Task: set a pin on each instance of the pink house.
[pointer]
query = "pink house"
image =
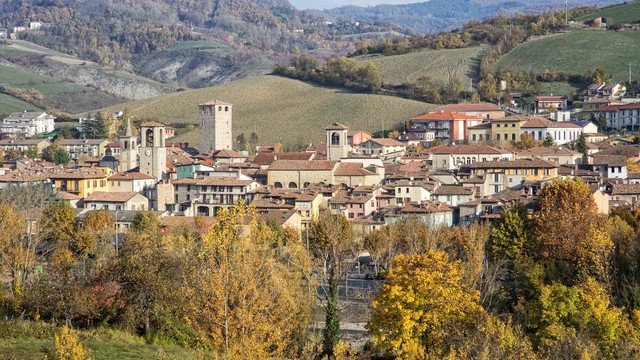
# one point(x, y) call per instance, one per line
point(360, 206)
point(357, 137)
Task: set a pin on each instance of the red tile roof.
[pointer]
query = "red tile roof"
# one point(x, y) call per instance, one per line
point(465, 149)
point(445, 115)
point(152, 124)
point(130, 176)
point(352, 169)
point(464, 107)
point(100, 196)
point(337, 126)
point(323, 165)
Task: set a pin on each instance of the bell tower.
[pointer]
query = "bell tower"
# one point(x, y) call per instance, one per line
point(153, 154)
point(337, 145)
point(128, 150)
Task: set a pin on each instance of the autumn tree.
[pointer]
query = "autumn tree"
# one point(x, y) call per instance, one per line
point(421, 305)
point(247, 296)
point(15, 257)
point(567, 226)
point(527, 141)
point(330, 242)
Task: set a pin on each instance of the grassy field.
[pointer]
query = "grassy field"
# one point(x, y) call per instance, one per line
point(560, 88)
point(578, 51)
point(9, 104)
point(197, 44)
point(28, 340)
point(620, 14)
point(443, 65)
point(280, 110)
point(13, 77)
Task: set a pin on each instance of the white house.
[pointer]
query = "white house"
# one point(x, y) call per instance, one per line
point(130, 181)
point(128, 200)
point(450, 157)
point(27, 124)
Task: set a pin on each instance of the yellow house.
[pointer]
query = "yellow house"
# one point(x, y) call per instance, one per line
point(504, 131)
point(82, 182)
point(502, 175)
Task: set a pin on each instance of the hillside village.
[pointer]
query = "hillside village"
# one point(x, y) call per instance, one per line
point(458, 164)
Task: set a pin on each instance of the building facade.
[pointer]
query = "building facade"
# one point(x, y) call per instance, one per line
point(215, 126)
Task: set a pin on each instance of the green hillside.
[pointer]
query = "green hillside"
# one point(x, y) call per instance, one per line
point(444, 65)
point(280, 109)
point(9, 104)
point(578, 51)
point(620, 14)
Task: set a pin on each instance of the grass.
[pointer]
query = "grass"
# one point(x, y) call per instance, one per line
point(45, 84)
point(9, 104)
point(196, 44)
point(561, 88)
point(280, 109)
point(444, 65)
point(578, 51)
point(33, 340)
point(619, 14)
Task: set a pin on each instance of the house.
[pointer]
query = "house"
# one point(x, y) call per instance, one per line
point(306, 202)
point(227, 156)
point(448, 126)
point(451, 157)
point(508, 129)
point(482, 110)
point(512, 174)
point(357, 137)
point(285, 218)
point(550, 103)
point(23, 177)
point(611, 166)
point(23, 145)
point(265, 159)
point(294, 174)
point(382, 148)
point(479, 133)
point(205, 196)
point(621, 117)
point(128, 200)
point(413, 191)
point(27, 124)
point(626, 192)
point(410, 139)
point(560, 132)
point(130, 182)
point(85, 147)
point(453, 194)
point(82, 182)
point(432, 213)
point(558, 155)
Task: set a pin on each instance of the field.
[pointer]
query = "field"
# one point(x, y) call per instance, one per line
point(17, 78)
point(579, 51)
point(443, 65)
point(619, 14)
point(9, 104)
point(197, 44)
point(560, 88)
point(32, 341)
point(280, 110)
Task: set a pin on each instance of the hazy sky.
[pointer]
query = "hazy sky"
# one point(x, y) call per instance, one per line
point(328, 4)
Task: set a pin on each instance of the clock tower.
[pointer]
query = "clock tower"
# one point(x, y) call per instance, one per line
point(153, 154)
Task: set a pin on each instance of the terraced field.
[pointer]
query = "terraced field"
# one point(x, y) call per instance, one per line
point(578, 51)
point(444, 65)
point(280, 110)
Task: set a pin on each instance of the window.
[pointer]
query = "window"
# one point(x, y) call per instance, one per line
point(498, 137)
point(473, 137)
point(335, 139)
point(513, 125)
point(293, 185)
point(95, 183)
point(497, 125)
point(226, 108)
point(277, 185)
point(399, 190)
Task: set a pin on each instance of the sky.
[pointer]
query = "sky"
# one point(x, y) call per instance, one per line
point(328, 4)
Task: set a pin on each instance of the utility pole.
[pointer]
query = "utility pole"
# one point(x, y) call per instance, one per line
point(629, 72)
point(566, 12)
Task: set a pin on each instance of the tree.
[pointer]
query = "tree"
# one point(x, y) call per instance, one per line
point(600, 75)
point(67, 346)
point(14, 255)
point(393, 134)
point(370, 77)
point(61, 156)
point(527, 141)
point(548, 141)
point(49, 152)
point(32, 152)
point(247, 296)
point(422, 303)
point(242, 142)
point(330, 242)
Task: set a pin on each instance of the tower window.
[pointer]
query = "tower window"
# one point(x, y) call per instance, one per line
point(126, 145)
point(149, 137)
point(335, 139)
point(219, 108)
point(226, 108)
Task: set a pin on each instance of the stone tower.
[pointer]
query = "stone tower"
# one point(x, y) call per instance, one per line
point(337, 145)
point(153, 154)
point(215, 126)
point(128, 150)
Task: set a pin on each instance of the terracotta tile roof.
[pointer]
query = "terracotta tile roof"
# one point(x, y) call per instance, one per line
point(625, 189)
point(130, 176)
point(23, 142)
point(550, 98)
point(426, 207)
point(445, 115)
point(82, 173)
point(513, 118)
point(536, 122)
point(513, 164)
point(352, 169)
point(464, 107)
point(542, 150)
point(268, 158)
point(609, 160)
point(337, 126)
point(78, 142)
point(119, 197)
point(359, 199)
point(280, 216)
point(152, 124)
point(563, 124)
point(313, 165)
point(484, 125)
point(63, 195)
point(452, 190)
point(24, 176)
point(213, 181)
point(466, 149)
point(227, 154)
point(356, 132)
point(385, 142)
point(626, 150)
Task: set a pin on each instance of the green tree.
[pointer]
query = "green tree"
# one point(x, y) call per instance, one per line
point(548, 141)
point(422, 304)
point(600, 75)
point(581, 146)
point(61, 156)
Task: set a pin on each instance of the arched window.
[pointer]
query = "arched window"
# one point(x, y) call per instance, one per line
point(468, 160)
point(306, 185)
point(335, 139)
point(277, 185)
point(126, 145)
point(226, 108)
point(219, 108)
point(149, 137)
point(293, 185)
point(95, 183)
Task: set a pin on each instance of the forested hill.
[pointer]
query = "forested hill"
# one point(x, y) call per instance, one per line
point(437, 15)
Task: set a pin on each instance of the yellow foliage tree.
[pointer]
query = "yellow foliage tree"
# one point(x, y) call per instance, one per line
point(423, 303)
point(67, 346)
